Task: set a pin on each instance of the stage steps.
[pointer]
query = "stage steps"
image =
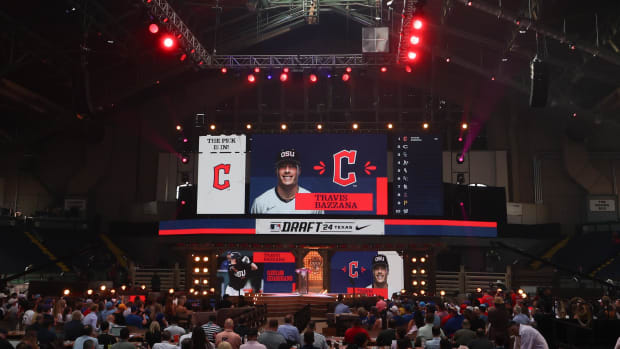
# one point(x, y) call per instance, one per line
point(283, 304)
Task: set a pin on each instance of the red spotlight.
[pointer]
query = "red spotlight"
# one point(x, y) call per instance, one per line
point(460, 139)
point(417, 24)
point(185, 140)
point(461, 204)
point(348, 69)
point(168, 42)
point(283, 77)
point(153, 28)
point(183, 202)
point(251, 78)
point(414, 40)
point(285, 70)
point(183, 57)
point(411, 55)
point(184, 160)
point(313, 78)
point(257, 70)
point(345, 77)
point(224, 70)
point(408, 69)
point(383, 69)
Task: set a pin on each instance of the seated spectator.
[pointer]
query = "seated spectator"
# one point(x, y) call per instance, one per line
point(153, 335)
point(228, 335)
point(434, 343)
point(88, 333)
point(289, 331)
point(319, 340)
point(341, 308)
point(105, 338)
point(123, 343)
point(166, 341)
point(74, 328)
point(350, 333)
point(270, 337)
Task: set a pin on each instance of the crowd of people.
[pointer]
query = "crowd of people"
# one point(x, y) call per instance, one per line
point(491, 320)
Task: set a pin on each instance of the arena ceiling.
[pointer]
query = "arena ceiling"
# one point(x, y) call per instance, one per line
point(60, 58)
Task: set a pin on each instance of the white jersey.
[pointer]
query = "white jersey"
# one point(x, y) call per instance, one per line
point(270, 202)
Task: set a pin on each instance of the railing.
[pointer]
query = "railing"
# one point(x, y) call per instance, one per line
point(467, 282)
point(169, 277)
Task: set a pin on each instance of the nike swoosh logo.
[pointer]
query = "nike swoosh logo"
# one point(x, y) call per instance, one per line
point(270, 208)
point(360, 228)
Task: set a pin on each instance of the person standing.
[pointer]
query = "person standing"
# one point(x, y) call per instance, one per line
point(270, 337)
point(228, 335)
point(252, 343)
point(526, 337)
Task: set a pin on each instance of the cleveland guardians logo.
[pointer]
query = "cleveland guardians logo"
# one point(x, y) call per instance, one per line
point(341, 176)
point(221, 168)
point(353, 269)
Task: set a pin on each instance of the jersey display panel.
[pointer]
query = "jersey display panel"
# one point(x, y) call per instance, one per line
point(366, 272)
point(244, 272)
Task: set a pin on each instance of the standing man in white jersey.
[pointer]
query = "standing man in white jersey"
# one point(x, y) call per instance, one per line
point(281, 199)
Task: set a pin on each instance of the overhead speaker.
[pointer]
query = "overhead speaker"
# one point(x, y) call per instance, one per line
point(539, 83)
point(375, 39)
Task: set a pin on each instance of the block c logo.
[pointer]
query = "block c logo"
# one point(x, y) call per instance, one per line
point(350, 155)
point(353, 266)
point(216, 176)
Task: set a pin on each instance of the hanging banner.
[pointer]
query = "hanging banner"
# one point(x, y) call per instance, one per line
point(320, 226)
point(221, 174)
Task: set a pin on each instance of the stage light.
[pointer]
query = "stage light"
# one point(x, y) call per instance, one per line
point(422, 260)
point(112, 291)
point(185, 140)
point(383, 69)
point(346, 77)
point(408, 69)
point(479, 290)
point(422, 292)
point(413, 260)
point(285, 70)
point(251, 78)
point(348, 69)
point(143, 287)
point(205, 259)
point(462, 204)
point(403, 291)
point(168, 42)
point(390, 126)
point(123, 287)
point(422, 271)
point(205, 270)
point(464, 126)
point(319, 126)
point(411, 55)
point(153, 28)
point(196, 281)
point(212, 127)
point(447, 59)
point(196, 259)
point(204, 293)
point(499, 289)
point(460, 139)
point(415, 283)
point(283, 77)
point(211, 290)
point(492, 77)
point(89, 292)
point(179, 128)
point(520, 291)
point(196, 293)
point(414, 40)
point(257, 70)
point(414, 271)
point(283, 127)
point(184, 159)
point(196, 270)
point(269, 77)
point(442, 293)
point(205, 281)
point(572, 47)
point(460, 158)
point(183, 57)
point(313, 78)
point(425, 125)
point(423, 283)
point(171, 291)
point(574, 115)
point(355, 126)
point(66, 292)
point(469, 3)
point(417, 24)
point(524, 295)
point(224, 70)
point(191, 290)
point(102, 287)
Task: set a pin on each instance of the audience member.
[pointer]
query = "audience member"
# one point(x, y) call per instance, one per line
point(319, 340)
point(526, 337)
point(252, 343)
point(386, 336)
point(289, 331)
point(341, 308)
point(465, 334)
point(228, 335)
point(105, 338)
point(211, 328)
point(153, 335)
point(481, 341)
point(123, 342)
point(166, 341)
point(74, 328)
point(270, 337)
point(350, 333)
point(88, 333)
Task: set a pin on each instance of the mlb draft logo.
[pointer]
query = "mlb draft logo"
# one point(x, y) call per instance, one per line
point(275, 227)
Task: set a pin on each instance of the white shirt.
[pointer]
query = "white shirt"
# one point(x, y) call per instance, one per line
point(269, 202)
point(164, 345)
point(175, 330)
point(530, 338)
point(252, 345)
point(90, 319)
point(28, 317)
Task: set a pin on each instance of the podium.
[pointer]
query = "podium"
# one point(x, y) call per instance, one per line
point(302, 280)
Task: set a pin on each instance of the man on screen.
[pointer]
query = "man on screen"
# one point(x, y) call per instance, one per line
point(240, 272)
point(380, 270)
point(281, 199)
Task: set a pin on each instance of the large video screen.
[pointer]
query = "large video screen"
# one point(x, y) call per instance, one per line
point(366, 272)
point(244, 272)
point(318, 174)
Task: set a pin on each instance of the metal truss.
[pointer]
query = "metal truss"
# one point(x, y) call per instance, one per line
point(166, 15)
point(301, 61)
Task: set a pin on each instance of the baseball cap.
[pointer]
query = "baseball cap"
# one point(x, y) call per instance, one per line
point(287, 155)
point(422, 304)
point(379, 260)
